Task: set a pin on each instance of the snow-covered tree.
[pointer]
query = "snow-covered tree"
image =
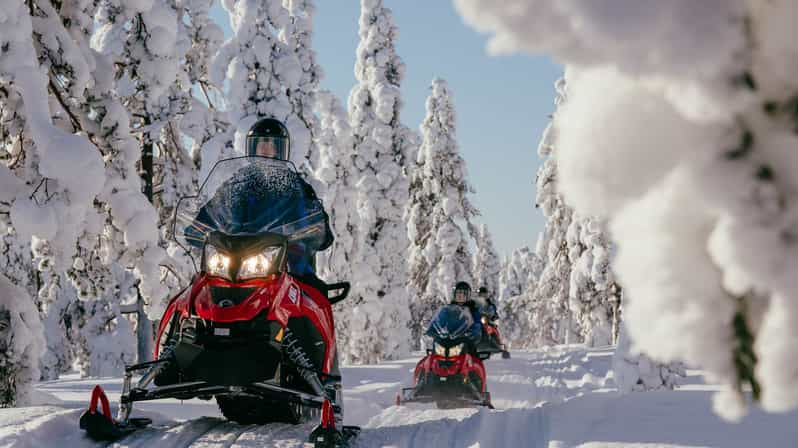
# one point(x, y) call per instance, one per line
point(166, 56)
point(554, 320)
point(60, 320)
point(636, 372)
point(688, 151)
point(84, 204)
point(381, 145)
point(336, 174)
point(46, 196)
point(35, 186)
point(271, 72)
point(21, 344)
point(593, 292)
point(575, 298)
point(101, 82)
point(516, 271)
point(172, 122)
point(205, 121)
point(517, 309)
point(298, 35)
point(514, 328)
point(487, 266)
point(418, 215)
point(148, 50)
point(439, 212)
point(128, 235)
point(203, 124)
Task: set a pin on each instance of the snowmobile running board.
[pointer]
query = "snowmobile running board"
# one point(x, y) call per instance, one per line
point(200, 388)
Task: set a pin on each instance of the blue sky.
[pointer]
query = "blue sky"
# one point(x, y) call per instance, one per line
point(503, 103)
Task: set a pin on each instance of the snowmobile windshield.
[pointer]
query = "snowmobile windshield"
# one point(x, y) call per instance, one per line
point(452, 323)
point(250, 196)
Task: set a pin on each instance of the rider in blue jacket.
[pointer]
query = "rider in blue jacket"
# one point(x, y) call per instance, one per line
point(462, 297)
point(268, 194)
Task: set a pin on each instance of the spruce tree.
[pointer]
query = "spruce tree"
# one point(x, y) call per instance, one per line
point(382, 145)
point(439, 212)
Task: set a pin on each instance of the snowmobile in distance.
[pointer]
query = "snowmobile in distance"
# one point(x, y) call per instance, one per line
point(452, 373)
point(491, 340)
point(246, 331)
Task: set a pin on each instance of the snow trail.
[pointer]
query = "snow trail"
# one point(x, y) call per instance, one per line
point(558, 397)
point(40, 426)
point(408, 426)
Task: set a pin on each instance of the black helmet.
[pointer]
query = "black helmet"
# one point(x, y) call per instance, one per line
point(482, 290)
point(269, 138)
point(464, 287)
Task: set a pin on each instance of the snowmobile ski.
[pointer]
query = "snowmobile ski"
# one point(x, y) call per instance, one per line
point(326, 435)
point(101, 426)
point(410, 395)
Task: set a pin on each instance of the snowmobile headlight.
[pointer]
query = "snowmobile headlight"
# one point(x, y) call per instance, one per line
point(484, 320)
point(258, 265)
point(440, 350)
point(456, 350)
point(216, 263)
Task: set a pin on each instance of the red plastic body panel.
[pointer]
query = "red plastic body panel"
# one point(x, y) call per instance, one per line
point(493, 331)
point(253, 305)
point(281, 295)
point(463, 364)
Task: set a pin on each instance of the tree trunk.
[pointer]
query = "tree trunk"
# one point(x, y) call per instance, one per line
point(616, 312)
point(147, 173)
point(144, 333)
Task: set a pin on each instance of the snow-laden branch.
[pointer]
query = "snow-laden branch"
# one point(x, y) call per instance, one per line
point(680, 129)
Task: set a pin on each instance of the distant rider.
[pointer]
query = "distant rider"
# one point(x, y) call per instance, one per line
point(488, 309)
point(462, 297)
point(491, 314)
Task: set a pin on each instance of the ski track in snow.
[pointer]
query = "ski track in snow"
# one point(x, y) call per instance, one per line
point(555, 398)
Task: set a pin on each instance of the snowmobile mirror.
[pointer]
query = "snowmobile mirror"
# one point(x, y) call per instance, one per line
point(344, 286)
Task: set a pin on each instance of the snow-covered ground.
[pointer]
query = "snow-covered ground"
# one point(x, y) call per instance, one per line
point(562, 397)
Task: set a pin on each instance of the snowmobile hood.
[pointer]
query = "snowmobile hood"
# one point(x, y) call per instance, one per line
point(452, 322)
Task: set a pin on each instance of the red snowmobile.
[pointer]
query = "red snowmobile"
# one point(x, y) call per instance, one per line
point(492, 340)
point(246, 331)
point(451, 374)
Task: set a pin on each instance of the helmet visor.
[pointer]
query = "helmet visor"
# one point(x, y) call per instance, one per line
point(461, 295)
point(272, 147)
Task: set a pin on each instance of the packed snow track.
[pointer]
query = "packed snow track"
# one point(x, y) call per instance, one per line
point(562, 397)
